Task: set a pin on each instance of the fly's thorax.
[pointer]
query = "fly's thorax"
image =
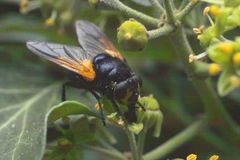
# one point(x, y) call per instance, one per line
point(110, 69)
point(128, 91)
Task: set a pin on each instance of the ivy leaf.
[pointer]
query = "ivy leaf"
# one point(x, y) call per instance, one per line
point(224, 85)
point(69, 108)
point(23, 113)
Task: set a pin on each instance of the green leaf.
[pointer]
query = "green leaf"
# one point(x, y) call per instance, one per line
point(224, 85)
point(69, 108)
point(23, 113)
point(83, 132)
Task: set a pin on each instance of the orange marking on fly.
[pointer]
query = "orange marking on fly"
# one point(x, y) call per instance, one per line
point(84, 68)
point(110, 49)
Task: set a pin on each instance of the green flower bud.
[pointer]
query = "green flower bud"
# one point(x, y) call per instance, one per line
point(207, 36)
point(152, 117)
point(221, 52)
point(132, 35)
point(203, 70)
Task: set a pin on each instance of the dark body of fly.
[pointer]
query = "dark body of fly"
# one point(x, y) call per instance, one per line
point(115, 80)
point(97, 67)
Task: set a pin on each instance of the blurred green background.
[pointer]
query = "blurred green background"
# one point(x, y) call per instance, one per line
point(157, 64)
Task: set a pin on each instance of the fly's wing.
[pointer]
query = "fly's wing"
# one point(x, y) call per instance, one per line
point(73, 58)
point(94, 41)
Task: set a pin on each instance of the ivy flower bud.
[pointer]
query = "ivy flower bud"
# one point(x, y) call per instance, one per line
point(132, 35)
point(221, 52)
point(152, 117)
point(226, 47)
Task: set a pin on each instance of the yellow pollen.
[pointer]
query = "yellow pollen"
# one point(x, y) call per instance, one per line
point(23, 6)
point(49, 22)
point(191, 157)
point(191, 58)
point(197, 31)
point(236, 58)
point(120, 122)
point(214, 10)
point(214, 157)
point(213, 69)
point(226, 47)
point(206, 11)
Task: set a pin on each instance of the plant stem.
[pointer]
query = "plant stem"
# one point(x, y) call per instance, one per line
point(116, 4)
point(133, 144)
point(157, 6)
point(176, 141)
point(213, 105)
point(105, 152)
point(169, 6)
point(165, 30)
point(183, 4)
point(187, 9)
point(141, 142)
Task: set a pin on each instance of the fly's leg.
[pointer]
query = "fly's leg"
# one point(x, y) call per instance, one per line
point(143, 108)
point(118, 110)
point(100, 107)
point(64, 89)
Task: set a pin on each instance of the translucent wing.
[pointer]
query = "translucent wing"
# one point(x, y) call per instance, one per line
point(70, 57)
point(94, 41)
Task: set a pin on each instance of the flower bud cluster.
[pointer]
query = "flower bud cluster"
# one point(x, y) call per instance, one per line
point(152, 117)
point(224, 53)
